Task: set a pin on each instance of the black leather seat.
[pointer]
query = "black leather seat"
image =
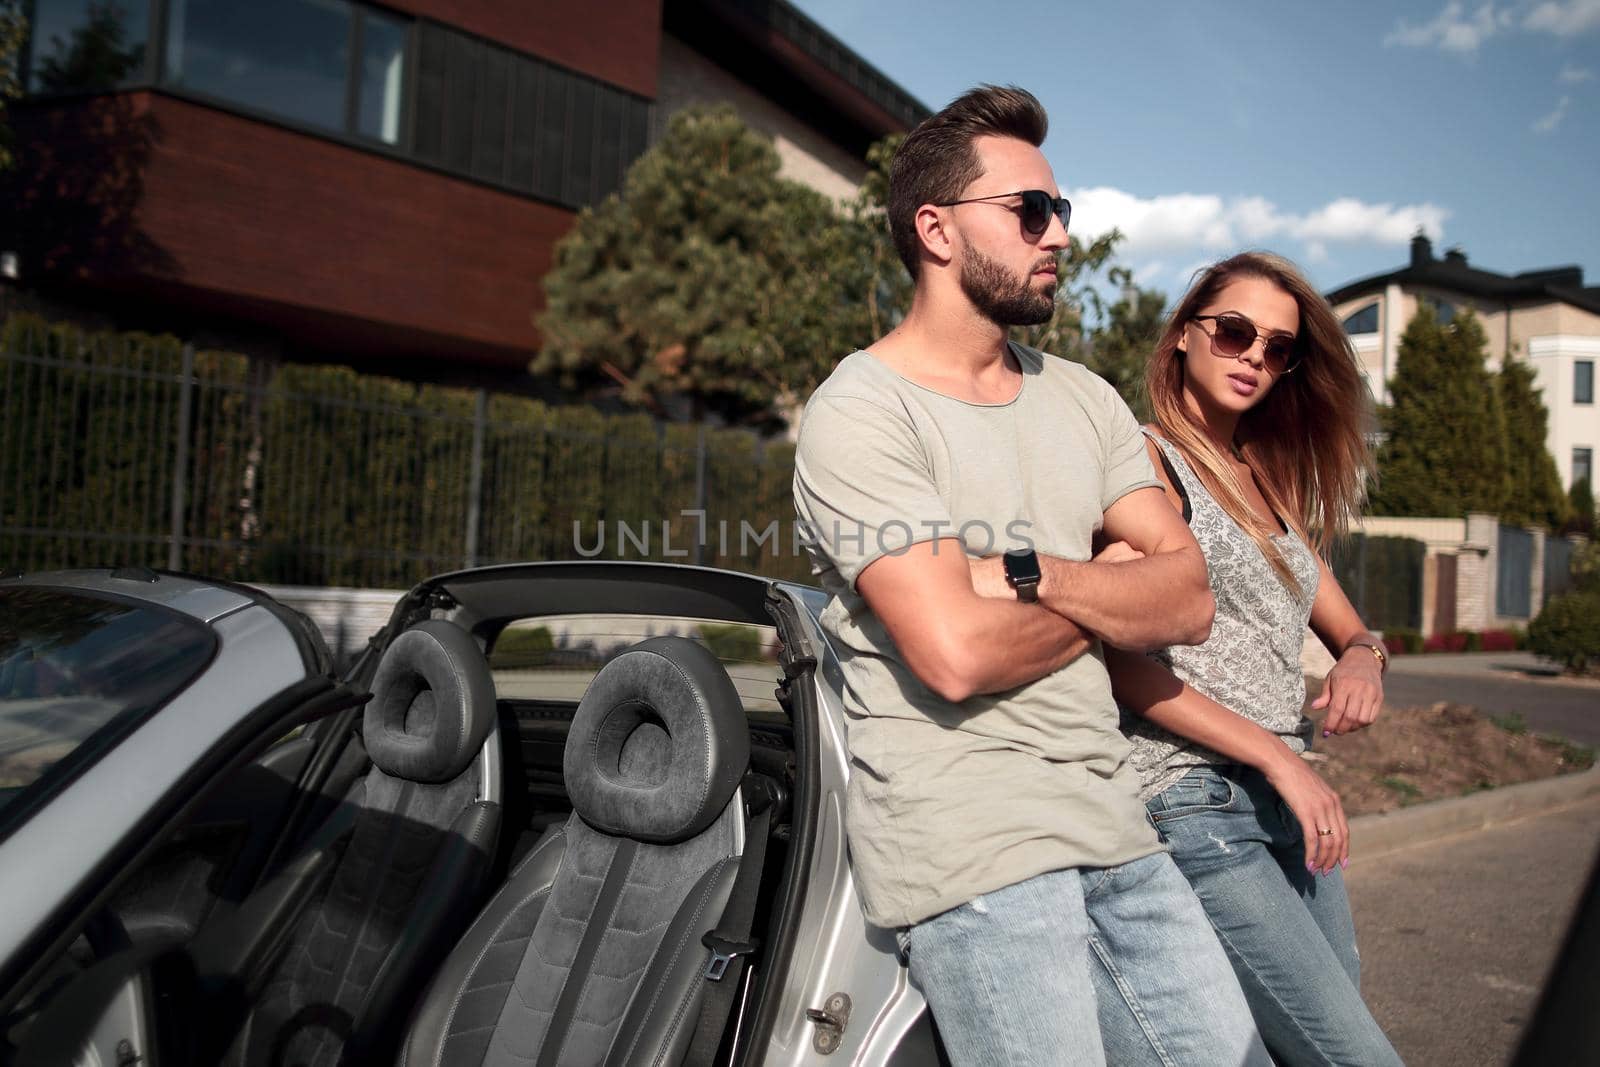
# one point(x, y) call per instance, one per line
point(365, 913)
point(591, 952)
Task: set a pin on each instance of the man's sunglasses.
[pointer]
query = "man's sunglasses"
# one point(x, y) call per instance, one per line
point(1036, 208)
point(1234, 334)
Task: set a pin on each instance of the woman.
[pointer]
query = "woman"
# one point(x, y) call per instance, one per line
point(1258, 411)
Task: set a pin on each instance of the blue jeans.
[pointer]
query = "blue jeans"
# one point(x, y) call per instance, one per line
point(1026, 974)
point(1287, 932)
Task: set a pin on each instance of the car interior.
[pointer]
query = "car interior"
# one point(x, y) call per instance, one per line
point(561, 830)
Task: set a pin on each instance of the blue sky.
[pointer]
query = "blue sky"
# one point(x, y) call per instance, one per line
point(1326, 132)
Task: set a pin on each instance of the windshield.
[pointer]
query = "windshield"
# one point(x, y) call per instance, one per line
point(75, 671)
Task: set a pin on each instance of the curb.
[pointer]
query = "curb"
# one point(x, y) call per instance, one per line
point(1372, 836)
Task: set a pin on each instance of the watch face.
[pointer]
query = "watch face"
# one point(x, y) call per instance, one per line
point(1021, 567)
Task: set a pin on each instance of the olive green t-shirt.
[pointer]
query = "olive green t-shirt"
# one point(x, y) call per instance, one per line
point(949, 801)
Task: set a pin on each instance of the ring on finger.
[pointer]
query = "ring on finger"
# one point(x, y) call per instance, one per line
point(1324, 833)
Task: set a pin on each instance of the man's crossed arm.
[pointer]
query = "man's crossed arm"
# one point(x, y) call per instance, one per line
point(963, 632)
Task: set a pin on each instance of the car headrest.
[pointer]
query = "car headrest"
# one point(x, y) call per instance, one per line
point(658, 744)
point(432, 704)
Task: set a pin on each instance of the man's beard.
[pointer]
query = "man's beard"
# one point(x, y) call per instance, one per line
point(1000, 296)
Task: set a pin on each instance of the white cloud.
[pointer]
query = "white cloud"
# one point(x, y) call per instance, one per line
point(1548, 123)
point(1564, 18)
point(1452, 29)
point(1180, 225)
point(1574, 75)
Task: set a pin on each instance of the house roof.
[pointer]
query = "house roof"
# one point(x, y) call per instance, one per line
point(1454, 274)
point(807, 70)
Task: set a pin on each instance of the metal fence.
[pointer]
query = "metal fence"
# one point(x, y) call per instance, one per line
point(136, 450)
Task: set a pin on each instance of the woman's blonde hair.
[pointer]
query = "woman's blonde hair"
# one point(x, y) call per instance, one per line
point(1304, 442)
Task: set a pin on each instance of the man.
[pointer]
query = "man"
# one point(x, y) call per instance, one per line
point(993, 818)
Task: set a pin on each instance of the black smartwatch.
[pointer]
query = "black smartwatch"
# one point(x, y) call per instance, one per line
point(1023, 574)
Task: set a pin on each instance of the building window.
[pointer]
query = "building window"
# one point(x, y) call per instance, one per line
point(1443, 310)
point(1583, 381)
point(1582, 465)
point(1363, 321)
point(436, 95)
point(79, 45)
point(293, 59)
point(514, 120)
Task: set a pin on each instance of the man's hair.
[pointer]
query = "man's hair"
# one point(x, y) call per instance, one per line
point(936, 161)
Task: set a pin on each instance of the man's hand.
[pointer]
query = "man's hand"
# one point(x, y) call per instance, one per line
point(1117, 552)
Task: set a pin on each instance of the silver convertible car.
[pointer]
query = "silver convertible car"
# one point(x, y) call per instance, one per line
point(555, 814)
point(564, 813)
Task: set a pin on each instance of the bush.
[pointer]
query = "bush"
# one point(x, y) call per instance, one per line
point(1398, 641)
point(733, 643)
point(1568, 630)
point(1519, 637)
point(1499, 641)
point(1474, 641)
point(522, 647)
point(1454, 641)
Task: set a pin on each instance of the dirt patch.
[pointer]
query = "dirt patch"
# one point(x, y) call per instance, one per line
point(1412, 755)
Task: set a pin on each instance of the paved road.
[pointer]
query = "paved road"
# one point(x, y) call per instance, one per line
point(1491, 683)
point(1456, 936)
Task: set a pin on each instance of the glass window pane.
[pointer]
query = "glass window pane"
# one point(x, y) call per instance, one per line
point(87, 44)
point(288, 58)
point(383, 57)
point(1583, 381)
point(1363, 321)
point(554, 657)
point(1582, 465)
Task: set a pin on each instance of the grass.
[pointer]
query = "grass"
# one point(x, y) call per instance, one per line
point(1407, 791)
point(1511, 723)
point(1579, 757)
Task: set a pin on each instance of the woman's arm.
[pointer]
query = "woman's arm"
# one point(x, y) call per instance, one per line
point(1353, 691)
point(1153, 691)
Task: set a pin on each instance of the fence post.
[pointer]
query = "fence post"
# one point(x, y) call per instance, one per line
point(700, 493)
point(180, 460)
point(480, 417)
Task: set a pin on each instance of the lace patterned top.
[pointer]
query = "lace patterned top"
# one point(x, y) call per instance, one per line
point(1251, 662)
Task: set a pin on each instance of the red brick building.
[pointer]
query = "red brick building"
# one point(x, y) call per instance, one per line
point(382, 185)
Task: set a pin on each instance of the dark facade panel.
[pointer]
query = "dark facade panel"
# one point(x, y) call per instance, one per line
point(617, 41)
point(249, 210)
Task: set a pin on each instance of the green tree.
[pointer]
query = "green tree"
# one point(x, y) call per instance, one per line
point(709, 276)
point(1534, 492)
point(1580, 508)
point(1119, 346)
point(1444, 450)
point(13, 32)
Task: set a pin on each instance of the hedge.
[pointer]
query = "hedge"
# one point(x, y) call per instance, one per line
point(319, 475)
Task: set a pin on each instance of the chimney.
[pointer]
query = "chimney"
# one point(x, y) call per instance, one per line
point(1456, 258)
point(1421, 250)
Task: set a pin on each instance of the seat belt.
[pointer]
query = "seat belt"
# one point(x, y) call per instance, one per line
point(730, 943)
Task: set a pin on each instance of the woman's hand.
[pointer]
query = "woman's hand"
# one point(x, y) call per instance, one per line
point(1352, 693)
point(1317, 807)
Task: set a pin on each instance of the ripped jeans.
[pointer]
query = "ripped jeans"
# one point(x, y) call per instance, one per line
point(1032, 974)
point(1287, 932)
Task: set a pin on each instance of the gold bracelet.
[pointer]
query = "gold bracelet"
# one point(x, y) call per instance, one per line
point(1381, 656)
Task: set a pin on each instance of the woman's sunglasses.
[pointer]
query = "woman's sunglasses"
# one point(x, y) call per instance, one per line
point(1036, 208)
point(1234, 334)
